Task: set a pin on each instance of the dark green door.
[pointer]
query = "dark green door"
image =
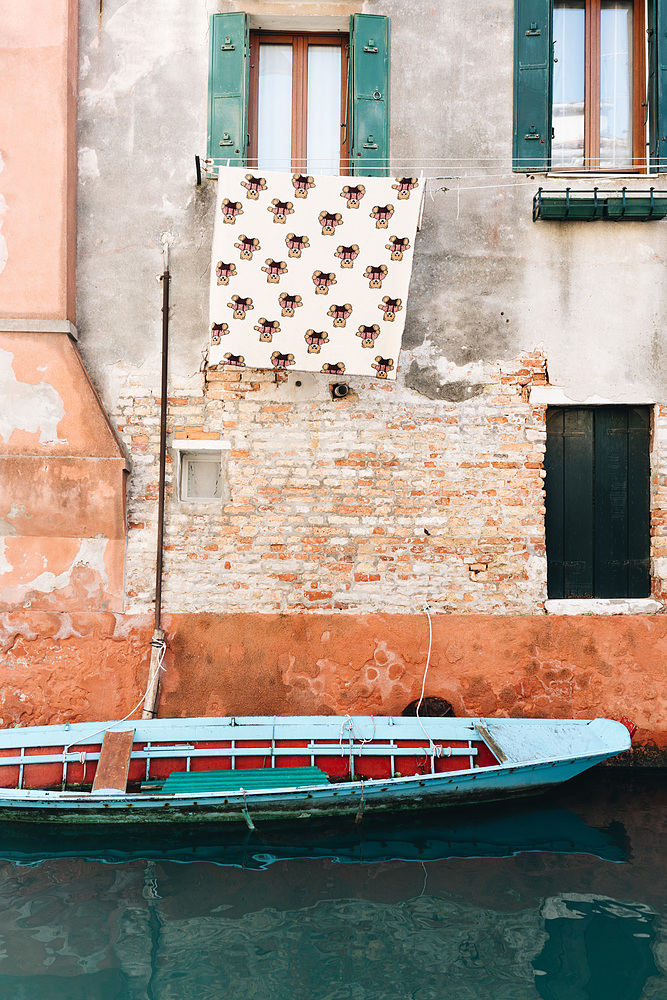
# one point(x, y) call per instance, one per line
point(597, 501)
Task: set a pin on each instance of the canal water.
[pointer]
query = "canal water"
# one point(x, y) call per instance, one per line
point(560, 898)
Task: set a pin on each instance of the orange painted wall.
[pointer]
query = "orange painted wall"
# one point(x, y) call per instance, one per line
point(38, 88)
point(93, 666)
point(62, 482)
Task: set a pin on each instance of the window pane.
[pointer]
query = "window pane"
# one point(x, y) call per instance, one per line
point(323, 136)
point(567, 148)
point(616, 84)
point(274, 126)
point(202, 478)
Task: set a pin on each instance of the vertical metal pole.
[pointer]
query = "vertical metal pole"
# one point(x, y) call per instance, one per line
point(157, 645)
point(163, 436)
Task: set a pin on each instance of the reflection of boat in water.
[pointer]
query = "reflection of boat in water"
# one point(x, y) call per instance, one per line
point(247, 770)
point(513, 829)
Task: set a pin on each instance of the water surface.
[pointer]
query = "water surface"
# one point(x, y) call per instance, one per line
point(564, 898)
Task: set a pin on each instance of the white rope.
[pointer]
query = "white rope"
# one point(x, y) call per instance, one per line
point(89, 737)
point(421, 697)
point(348, 723)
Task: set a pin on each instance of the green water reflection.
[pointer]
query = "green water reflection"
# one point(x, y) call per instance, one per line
point(553, 924)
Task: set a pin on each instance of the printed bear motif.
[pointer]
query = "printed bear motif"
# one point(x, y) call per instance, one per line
point(398, 246)
point(390, 307)
point(323, 281)
point(329, 221)
point(335, 369)
point(288, 303)
point(247, 245)
point(235, 360)
point(253, 185)
point(231, 210)
point(302, 185)
point(353, 195)
point(347, 255)
point(281, 209)
point(240, 306)
point(279, 360)
point(295, 244)
point(376, 274)
point(382, 214)
point(340, 314)
point(218, 330)
point(266, 329)
point(383, 365)
point(274, 269)
point(315, 340)
point(368, 334)
point(404, 185)
point(225, 272)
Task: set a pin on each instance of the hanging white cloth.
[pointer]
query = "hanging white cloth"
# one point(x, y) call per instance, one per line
point(311, 273)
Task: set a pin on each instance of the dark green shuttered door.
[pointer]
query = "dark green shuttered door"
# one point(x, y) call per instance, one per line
point(228, 89)
point(597, 487)
point(532, 85)
point(369, 110)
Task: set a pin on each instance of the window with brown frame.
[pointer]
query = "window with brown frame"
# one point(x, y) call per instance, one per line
point(599, 85)
point(298, 102)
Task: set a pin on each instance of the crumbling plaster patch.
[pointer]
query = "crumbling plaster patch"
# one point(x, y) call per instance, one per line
point(90, 555)
point(87, 165)
point(5, 565)
point(28, 407)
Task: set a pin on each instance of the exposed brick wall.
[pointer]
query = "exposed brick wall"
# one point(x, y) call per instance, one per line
point(381, 502)
point(385, 500)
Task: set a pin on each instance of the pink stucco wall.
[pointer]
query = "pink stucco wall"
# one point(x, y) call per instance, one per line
point(38, 84)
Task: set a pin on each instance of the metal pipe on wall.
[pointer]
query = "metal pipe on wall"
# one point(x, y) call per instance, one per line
point(158, 644)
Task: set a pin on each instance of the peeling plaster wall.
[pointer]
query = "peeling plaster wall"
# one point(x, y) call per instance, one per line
point(488, 283)
point(489, 288)
point(62, 482)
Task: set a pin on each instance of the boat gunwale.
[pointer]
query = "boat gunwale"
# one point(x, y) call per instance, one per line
point(373, 786)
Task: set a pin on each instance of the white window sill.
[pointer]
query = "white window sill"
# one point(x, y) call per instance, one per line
point(556, 395)
point(584, 175)
point(195, 444)
point(599, 606)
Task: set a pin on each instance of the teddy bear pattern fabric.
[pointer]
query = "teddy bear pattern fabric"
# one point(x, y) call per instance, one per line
point(311, 274)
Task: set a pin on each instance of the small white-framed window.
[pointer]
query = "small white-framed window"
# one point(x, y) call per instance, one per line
point(200, 470)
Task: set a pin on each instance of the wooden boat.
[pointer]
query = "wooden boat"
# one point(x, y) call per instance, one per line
point(261, 768)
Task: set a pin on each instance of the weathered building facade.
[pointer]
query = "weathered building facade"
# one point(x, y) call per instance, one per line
point(300, 587)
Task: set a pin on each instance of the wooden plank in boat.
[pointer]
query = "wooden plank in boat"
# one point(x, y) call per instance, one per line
point(114, 763)
point(499, 754)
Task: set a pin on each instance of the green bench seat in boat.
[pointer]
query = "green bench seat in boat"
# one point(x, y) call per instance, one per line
point(248, 779)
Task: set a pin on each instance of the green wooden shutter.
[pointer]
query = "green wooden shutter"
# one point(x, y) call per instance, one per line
point(369, 89)
point(228, 89)
point(657, 66)
point(622, 529)
point(597, 510)
point(569, 489)
point(531, 148)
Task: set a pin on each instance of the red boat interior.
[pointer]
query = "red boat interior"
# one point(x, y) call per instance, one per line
point(151, 763)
